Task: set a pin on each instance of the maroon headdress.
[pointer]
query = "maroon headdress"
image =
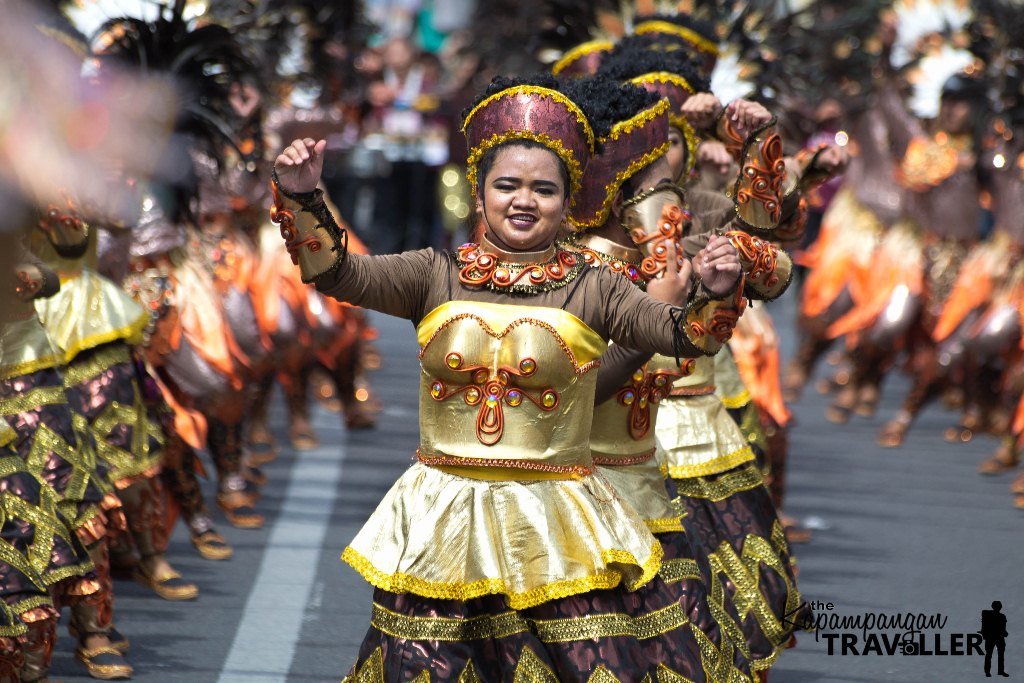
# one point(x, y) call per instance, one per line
point(705, 50)
point(582, 60)
point(631, 146)
point(676, 90)
point(529, 112)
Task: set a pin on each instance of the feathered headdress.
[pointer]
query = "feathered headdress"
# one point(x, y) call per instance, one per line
point(198, 64)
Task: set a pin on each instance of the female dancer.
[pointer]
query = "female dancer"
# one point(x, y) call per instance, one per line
point(711, 466)
point(502, 555)
point(622, 439)
point(69, 528)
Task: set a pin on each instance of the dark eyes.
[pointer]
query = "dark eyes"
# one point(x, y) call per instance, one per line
point(508, 187)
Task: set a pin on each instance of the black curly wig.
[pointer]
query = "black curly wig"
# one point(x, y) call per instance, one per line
point(602, 100)
point(638, 55)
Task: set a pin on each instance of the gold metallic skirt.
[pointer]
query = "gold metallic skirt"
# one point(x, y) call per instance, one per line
point(440, 535)
point(696, 437)
point(643, 488)
point(90, 310)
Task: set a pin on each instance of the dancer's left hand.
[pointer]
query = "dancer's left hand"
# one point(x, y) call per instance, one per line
point(718, 265)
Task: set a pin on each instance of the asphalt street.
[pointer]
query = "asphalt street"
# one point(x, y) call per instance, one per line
point(911, 531)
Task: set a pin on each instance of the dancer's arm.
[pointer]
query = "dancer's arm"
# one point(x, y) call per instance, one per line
point(396, 284)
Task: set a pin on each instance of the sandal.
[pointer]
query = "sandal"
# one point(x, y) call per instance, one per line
point(169, 585)
point(105, 663)
point(212, 546)
point(237, 507)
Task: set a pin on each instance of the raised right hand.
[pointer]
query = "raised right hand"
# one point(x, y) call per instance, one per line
point(300, 164)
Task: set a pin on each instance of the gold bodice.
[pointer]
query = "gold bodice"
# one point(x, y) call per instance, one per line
point(508, 387)
point(623, 427)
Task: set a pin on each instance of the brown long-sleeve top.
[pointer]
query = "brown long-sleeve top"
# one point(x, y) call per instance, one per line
point(411, 284)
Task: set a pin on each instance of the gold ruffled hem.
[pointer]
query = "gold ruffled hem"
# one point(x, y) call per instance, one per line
point(90, 311)
point(697, 437)
point(609, 578)
point(443, 536)
point(26, 348)
point(642, 486)
point(729, 386)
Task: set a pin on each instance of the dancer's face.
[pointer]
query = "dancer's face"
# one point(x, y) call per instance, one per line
point(523, 199)
point(955, 116)
point(677, 152)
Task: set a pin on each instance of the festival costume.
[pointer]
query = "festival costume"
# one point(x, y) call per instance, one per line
point(709, 465)
point(622, 438)
point(988, 298)
point(68, 552)
point(198, 360)
point(96, 324)
point(508, 347)
point(915, 266)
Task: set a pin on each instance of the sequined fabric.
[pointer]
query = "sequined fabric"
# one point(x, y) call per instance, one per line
point(748, 558)
point(55, 444)
point(37, 549)
point(602, 635)
point(103, 387)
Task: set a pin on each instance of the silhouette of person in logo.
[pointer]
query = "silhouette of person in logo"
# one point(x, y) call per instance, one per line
point(993, 630)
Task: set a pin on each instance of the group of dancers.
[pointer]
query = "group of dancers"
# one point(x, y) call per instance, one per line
point(598, 486)
point(585, 506)
point(138, 329)
point(916, 265)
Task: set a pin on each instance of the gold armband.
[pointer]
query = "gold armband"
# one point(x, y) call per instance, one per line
point(709, 322)
point(767, 269)
point(313, 239)
point(758, 191)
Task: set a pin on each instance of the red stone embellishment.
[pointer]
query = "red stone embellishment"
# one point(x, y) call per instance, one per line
point(483, 268)
point(645, 389)
point(491, 392)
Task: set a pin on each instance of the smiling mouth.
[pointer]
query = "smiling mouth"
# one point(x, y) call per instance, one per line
point(523, 220)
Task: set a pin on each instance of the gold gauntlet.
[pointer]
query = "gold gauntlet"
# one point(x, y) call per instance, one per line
point(768, 269)
point(653, 219)
point(313, 239)
point(758, 191)
point(709, 322)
